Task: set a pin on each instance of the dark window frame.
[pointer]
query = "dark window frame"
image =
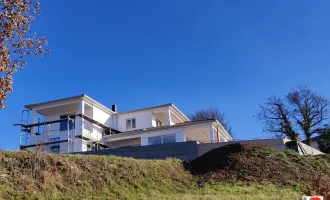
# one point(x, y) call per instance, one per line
point(162, 139)
point(64, 123)
point(131, 122)
point(55, 149)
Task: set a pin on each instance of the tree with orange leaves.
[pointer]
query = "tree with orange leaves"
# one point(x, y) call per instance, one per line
point(16, 40)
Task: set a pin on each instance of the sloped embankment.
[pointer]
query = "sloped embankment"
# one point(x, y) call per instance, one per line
point(259, 163)
point(46, 176)
point(235, 171)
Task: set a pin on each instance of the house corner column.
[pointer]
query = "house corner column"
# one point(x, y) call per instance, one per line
point(83, 146)
point(168, 117)
point(211, 134)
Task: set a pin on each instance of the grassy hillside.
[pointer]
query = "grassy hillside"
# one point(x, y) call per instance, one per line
point(30, 175)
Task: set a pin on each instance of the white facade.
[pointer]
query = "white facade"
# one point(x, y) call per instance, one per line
point(91, 124)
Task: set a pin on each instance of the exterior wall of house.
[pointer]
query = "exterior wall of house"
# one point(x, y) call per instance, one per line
point(200, 133)
point(203, 133)
point(52, 132)
point(83, 127)
point(91, 130)
point(178, 132)
point(179, 136)
point(55, 128)
point(102, 117)
point(143, 119)
point(158, 117)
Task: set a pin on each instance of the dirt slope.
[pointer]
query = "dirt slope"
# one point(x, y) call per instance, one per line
point(258, 163)
point(235, 171)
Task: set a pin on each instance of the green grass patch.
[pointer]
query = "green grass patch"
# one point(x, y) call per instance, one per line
point(31, 175)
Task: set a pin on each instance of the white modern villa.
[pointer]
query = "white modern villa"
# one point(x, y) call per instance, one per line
point(80, 123)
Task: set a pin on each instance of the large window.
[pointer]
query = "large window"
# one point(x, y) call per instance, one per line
point(165, 139)
point(64, 124)
point(168, 139)
point(130, 123)
point(155, 140)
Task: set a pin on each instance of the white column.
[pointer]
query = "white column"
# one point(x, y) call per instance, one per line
point(211, 134)
point(179, 136)
point(168, 117)
point(144, 141)
point(81, 110)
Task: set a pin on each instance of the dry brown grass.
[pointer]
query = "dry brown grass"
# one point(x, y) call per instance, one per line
point(109, 177)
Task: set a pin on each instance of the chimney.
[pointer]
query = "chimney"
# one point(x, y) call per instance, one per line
point(114, 108)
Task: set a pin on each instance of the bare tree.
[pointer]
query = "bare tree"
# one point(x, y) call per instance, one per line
point(16, 40)
point(275, 116)
point(211, 113)
point(300, 111)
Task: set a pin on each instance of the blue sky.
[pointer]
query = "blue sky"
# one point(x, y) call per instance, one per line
point(227, 54)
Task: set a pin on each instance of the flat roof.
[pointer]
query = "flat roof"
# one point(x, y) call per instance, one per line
point(148, 108)
point(155, 107)
point(78, 97)
point(34, 105)
point(188, 123)
point(183, 124)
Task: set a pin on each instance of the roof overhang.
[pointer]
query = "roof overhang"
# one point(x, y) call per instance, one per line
point(179, 112)
point(170, 105)
point(166, 127)
point(189, 124)
point(66, 101)
point(40, 105)
point(227, 135)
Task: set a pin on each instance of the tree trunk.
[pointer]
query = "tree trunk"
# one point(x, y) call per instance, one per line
point(308, 140)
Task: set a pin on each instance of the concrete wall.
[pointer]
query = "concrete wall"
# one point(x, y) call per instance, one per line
point(125, 143)
point(183, 151)
point(186, 150)
point(274, 143)
point(315, 145)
